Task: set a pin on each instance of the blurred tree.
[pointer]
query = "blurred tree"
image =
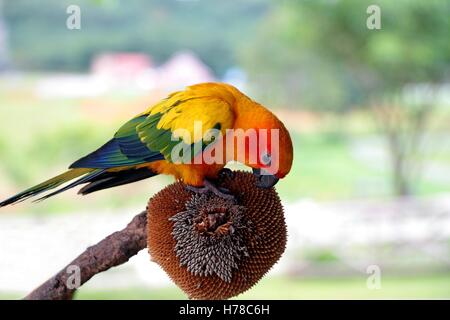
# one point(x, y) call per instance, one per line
point(212, 29)
point(322, 55)
point(404, 127)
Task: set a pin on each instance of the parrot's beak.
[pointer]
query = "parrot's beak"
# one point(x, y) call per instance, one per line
point(264, 179)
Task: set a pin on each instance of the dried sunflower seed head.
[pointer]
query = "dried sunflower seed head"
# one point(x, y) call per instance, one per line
point(210, 236)
point(214, 248)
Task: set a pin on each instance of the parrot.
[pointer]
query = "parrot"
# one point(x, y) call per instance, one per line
point(145, 145)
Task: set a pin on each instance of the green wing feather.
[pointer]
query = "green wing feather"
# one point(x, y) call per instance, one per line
point(125, 149)
point(157, 130)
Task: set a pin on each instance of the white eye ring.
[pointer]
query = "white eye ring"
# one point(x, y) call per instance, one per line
point(266, 158)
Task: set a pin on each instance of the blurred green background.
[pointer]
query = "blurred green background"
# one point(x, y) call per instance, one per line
point(368, 110)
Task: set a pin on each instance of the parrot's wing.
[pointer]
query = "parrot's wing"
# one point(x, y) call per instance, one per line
point(184, 120)
point(152, 135)
point(125, 149)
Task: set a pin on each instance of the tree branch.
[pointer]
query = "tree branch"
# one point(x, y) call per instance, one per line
point(114, 250)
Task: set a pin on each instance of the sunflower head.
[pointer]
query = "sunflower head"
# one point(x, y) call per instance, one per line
point(214, 248)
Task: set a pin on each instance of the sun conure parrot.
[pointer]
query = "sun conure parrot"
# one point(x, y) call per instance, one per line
point(143, 147)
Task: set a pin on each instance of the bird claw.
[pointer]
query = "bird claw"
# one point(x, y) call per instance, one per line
point(210, 187)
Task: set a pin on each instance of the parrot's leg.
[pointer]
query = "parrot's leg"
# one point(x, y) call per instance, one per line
point(210, 187)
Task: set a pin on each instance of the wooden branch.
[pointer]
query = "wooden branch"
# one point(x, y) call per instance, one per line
point(114, 250)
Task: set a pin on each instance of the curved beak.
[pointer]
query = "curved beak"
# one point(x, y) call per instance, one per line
point(264, 179)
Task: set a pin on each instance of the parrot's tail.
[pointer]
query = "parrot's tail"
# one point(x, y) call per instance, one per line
point(87, 174)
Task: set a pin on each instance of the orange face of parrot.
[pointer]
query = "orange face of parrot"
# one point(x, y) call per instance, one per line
point(276, 159)
point(270, 154)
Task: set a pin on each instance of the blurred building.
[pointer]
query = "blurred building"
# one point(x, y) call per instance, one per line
point(127, 72)
point(182, 69)
point(121, 66)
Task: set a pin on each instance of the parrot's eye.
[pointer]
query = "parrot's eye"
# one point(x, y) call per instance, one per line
point(266, 159)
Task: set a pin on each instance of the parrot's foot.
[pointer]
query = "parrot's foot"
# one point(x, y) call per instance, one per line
point(210, 187)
